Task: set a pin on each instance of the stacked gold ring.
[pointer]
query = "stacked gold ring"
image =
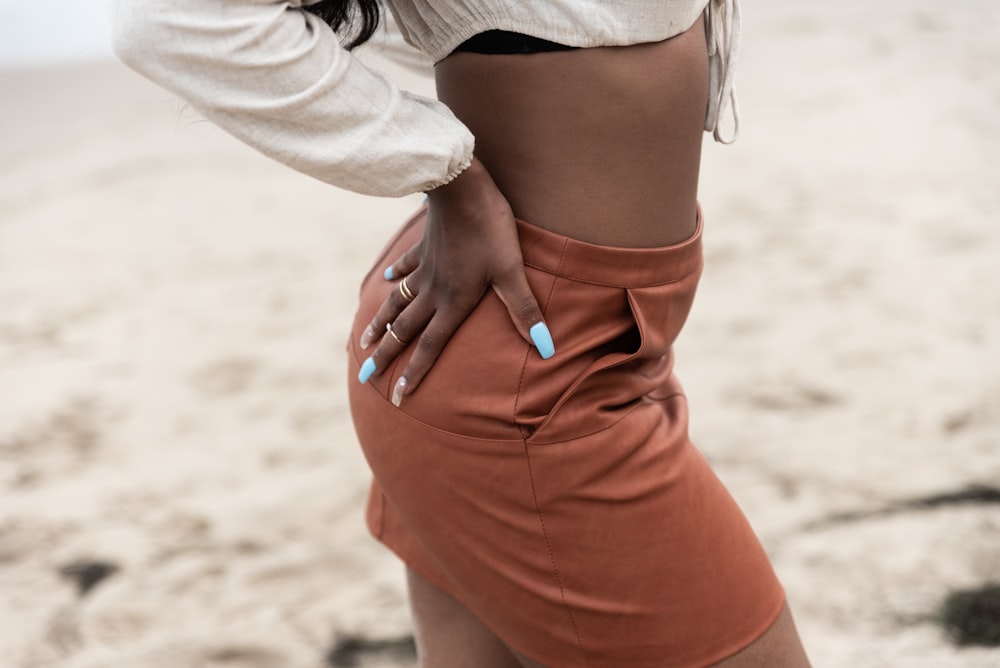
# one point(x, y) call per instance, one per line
point(404, 290)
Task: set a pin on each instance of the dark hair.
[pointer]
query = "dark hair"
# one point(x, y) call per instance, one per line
point(361, 15)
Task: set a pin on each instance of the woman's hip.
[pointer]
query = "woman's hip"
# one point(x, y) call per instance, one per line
point(613, 313)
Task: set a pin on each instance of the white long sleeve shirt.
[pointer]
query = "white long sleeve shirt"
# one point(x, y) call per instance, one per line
point(276, 77)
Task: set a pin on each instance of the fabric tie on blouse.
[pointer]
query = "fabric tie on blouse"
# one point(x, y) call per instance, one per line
point(723, 29)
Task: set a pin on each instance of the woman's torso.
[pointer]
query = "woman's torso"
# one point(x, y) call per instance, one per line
point(600, 144)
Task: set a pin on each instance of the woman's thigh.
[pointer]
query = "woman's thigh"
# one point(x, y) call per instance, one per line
point(778, 647)
point(448, 635)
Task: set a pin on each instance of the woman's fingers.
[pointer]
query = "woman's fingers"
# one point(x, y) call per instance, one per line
point(405, 319)
point(430, 320)
point(396, 336)
point(430, 344)
point(515, 293)
point(405, 265)
point(398, 300)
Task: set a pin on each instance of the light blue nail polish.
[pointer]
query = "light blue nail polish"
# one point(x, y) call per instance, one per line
point(543, 340)
point(367, 369)
point(388, 273)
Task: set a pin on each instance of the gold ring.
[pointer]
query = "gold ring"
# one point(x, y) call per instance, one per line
point(388, 328)
point(404, 290)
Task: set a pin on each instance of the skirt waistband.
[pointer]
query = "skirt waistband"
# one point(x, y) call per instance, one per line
point(612, 266)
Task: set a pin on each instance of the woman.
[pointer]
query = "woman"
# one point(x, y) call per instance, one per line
point(512, 382)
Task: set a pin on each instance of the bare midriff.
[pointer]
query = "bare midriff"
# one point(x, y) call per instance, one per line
point(600, 144)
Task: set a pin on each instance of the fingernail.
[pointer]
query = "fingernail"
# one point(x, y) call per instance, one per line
point(367, 369)
point(397, 391)
point(388, 273)
point(367, 338)
point(543, 340)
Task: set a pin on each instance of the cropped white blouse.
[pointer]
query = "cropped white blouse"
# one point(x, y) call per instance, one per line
point(276, 77)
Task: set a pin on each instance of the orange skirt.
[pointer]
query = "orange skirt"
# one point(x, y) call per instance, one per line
point(561, 500)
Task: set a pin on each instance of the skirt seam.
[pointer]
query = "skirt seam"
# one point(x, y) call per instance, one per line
point(552, 557)
point(485, 439)
point(524, 365)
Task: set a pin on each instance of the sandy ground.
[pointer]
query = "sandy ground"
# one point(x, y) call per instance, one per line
point(173, 310)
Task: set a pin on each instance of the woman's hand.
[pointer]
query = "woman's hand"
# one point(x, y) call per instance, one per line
point(470, 244)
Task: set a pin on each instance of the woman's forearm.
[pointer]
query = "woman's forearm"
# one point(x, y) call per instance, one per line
point(276, 77)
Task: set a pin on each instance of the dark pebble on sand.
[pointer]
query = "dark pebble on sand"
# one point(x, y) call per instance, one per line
point(87, 574)
point(354, 652)
point(972, 617)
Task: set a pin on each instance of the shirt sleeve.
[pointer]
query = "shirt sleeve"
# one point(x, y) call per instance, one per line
point(276, 77)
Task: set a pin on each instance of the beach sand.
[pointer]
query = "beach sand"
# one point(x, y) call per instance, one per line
point(180, 482)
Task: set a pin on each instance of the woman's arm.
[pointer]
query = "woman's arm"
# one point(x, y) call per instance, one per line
point(276, 77)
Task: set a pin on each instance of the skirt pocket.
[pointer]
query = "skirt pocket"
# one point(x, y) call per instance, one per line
point(622, 355)
point(587, 385)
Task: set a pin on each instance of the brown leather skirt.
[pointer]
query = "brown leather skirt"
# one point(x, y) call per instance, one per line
point(561, 500)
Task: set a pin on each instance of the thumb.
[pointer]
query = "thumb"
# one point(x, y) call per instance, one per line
point(523, 309)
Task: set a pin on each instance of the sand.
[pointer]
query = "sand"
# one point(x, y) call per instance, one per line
point(173, 310)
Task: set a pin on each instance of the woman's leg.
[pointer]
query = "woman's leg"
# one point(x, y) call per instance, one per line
point(779, 647)
point(448, 635)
